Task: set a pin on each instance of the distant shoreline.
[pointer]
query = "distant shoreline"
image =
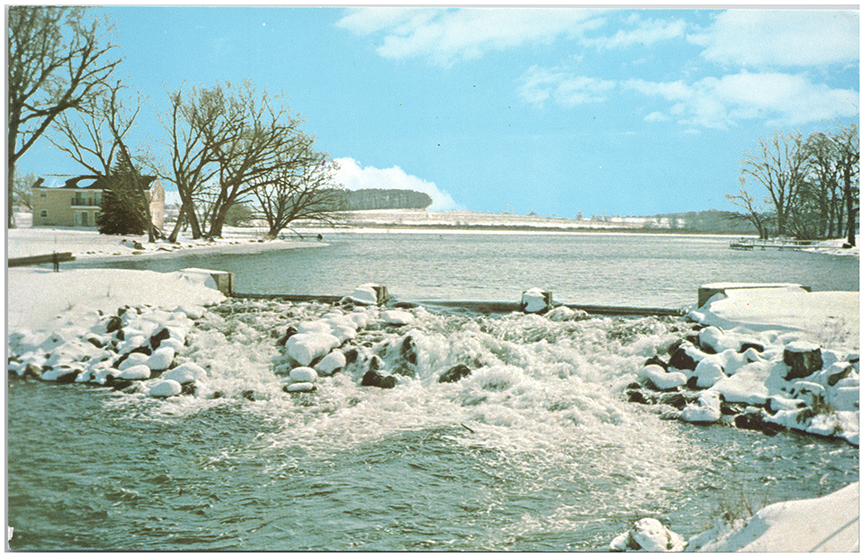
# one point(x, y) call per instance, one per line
point(516, 228)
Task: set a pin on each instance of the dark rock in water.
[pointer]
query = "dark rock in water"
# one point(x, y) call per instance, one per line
point(374, 379)
point(351, 356)
point(118, 384)
point(217, 394)
point(745, 346)
point(635, 385)
point(189, 389)
point(843, 374)
point(802, 360)
point(68, 377)
point(406, 305)
point(676, 400)
point(375, 363)
point(455, 373)
point(114, 324)
point(657, 361)
point(640, 398)
point(95, 341)
point(693, 383)
point(289, 332)
point(120, 335)
point(156, 339)
point(405, 370)
point(680, 359)
point(248, 395)
point(408, 350)
point(756, 421)
point(121, 311)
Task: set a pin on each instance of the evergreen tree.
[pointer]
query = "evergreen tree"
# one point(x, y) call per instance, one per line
point(125, 209)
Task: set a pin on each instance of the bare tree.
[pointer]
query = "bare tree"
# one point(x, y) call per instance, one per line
point(252, 139)
point(96, 139)
point(849, 153)
point(23, 192)
point(306, 192)
point(755, 212)
point(779, 165)
point(55, 63)
point(191, 164)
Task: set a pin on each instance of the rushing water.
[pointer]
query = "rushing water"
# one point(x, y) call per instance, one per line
point(536, 451)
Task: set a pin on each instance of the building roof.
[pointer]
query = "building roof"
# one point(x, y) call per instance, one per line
point(99, 183)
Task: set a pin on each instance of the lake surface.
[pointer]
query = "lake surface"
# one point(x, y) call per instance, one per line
point(595, 269)
point(539, 452)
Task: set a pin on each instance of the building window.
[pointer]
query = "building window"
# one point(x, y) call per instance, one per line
point(43, 213)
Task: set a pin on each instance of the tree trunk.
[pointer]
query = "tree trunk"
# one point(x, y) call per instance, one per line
point(10, 177)
point(172, 238)
point(850, 206)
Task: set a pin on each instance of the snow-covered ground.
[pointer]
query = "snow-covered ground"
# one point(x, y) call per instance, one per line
point(88, 243)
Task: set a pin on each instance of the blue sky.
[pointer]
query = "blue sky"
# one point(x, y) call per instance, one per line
point(557, 110)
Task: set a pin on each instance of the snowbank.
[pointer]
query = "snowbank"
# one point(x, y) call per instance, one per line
point(826, 524)
point(818, 314)
point(40, 299)
point(88, 243)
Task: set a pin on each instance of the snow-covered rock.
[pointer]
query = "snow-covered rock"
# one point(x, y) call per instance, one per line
point(299, 388)
point(187, 372)
point(136, 372)
point(306, 347)
point(303, 375)
point(708, 372)
point(648, 534)
point(134, 359)
point(166, 388)
point(706, 409)
point(660, 378)
point(397, 317)
point(331, 363)
point(161, 359)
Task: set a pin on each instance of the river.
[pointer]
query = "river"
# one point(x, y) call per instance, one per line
point(539, 452)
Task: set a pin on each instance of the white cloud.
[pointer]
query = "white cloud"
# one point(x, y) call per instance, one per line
point(541, 84)
point(768, 38)
point(780, 99)
point(355, 177)
point(656, 117)
point(447, 35)
point(646, 32)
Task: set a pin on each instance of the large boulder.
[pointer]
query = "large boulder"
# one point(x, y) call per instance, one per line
point(803, 358)
point(373, 378)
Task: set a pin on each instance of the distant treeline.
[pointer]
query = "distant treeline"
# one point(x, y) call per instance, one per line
point(713, 221)
point(365, 200)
